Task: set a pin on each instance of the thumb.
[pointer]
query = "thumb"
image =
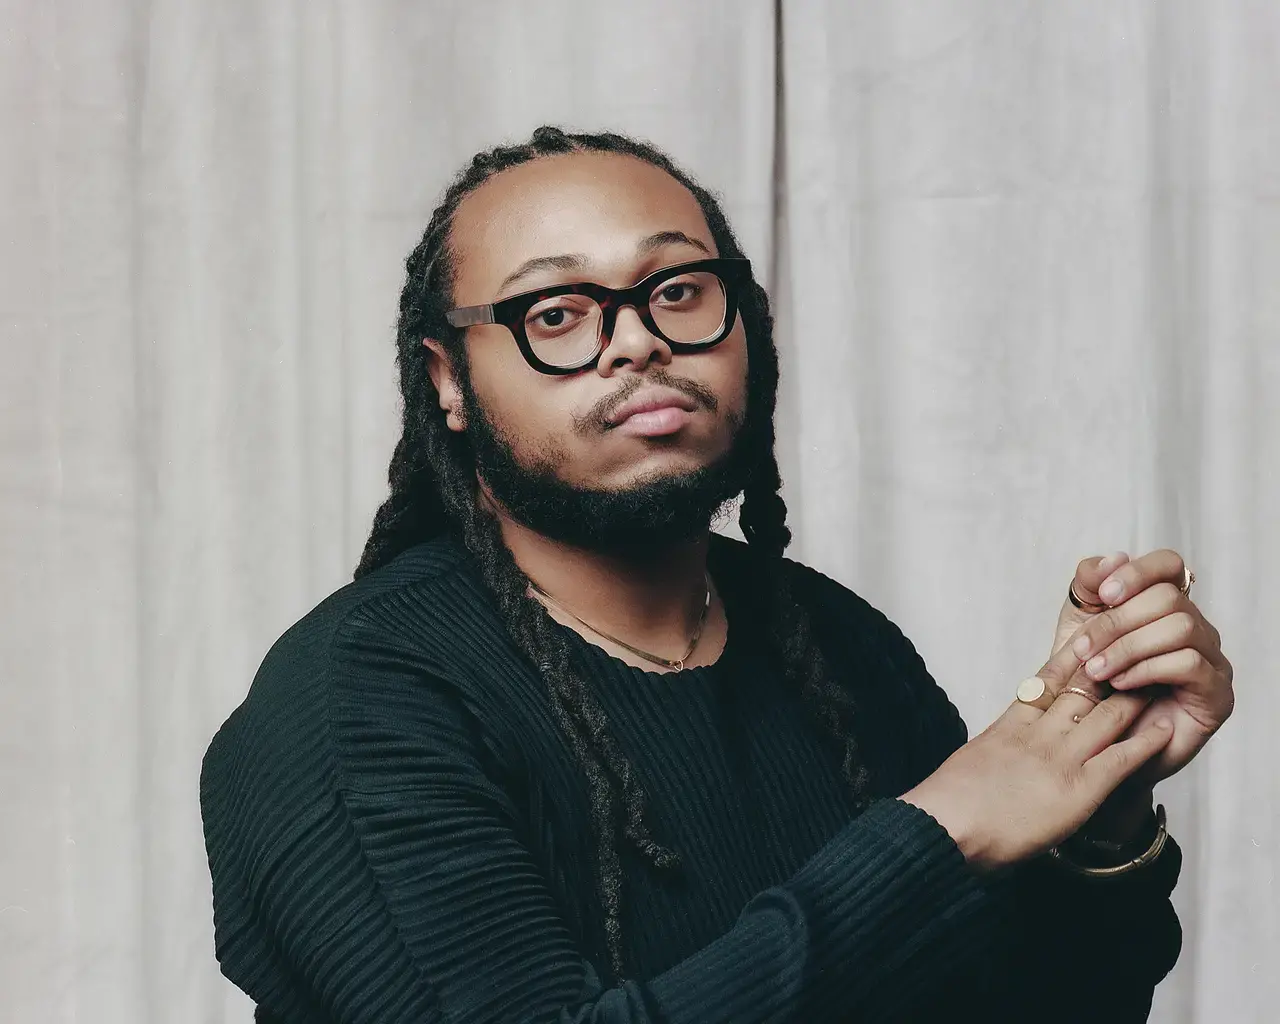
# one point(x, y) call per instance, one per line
point(1092, 573)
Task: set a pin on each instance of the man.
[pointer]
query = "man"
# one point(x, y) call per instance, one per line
point(562, 754)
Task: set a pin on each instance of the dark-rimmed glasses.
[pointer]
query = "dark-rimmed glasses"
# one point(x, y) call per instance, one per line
point(561, 329)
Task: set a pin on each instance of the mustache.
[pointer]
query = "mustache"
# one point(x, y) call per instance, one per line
point(597, 417)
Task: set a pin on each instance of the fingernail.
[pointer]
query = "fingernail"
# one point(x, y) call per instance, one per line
point(1111, 561)
point(1081, 647)
point(1111, 590)
point(1096, 665)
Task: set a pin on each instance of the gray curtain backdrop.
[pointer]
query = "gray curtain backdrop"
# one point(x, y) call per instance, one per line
point(1025, 256)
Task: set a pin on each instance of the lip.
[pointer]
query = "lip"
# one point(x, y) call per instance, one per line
point(653, 400)
point(656, 422)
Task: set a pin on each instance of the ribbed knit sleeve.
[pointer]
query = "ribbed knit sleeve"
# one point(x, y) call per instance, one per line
point(376, 873)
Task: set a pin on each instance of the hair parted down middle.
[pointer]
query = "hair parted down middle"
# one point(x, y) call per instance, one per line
point(433, 489)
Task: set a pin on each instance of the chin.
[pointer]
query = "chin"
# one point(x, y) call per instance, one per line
point(660, 463)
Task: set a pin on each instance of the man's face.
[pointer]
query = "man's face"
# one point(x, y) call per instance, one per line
point(546, 446)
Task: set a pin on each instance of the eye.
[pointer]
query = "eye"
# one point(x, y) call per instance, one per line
point(553, 317)
point(678, 292)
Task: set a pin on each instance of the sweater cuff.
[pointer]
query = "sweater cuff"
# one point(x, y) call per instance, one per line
point(894, 909)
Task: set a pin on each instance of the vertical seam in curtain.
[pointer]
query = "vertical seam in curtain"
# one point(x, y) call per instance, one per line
point(779, 153)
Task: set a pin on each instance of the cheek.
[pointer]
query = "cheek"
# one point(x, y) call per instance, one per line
point(730, 373)
point(518, 399)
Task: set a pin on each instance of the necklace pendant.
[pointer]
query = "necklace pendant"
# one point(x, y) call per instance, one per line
point(678, 665)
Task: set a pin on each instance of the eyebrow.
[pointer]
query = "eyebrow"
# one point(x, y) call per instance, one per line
point(578, 261)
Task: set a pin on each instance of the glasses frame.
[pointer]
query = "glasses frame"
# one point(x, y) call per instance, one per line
point(733, 272)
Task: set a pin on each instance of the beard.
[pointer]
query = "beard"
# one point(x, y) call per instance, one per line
point(659, 509)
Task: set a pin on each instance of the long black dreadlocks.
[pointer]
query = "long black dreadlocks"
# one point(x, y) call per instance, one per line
point(433, 490)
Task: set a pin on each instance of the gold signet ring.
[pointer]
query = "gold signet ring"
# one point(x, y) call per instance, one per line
point(1031, 690)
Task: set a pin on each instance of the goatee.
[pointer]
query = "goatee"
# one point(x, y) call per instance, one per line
point(665, 509)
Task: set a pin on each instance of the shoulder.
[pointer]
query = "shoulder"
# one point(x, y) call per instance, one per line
point(354, 694)
point(276, 746)
point(294, 668)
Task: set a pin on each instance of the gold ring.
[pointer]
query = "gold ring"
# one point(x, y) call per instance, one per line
point(1084, 606)
point(1032, 691)
point(1082, 692)
point(1188, 578)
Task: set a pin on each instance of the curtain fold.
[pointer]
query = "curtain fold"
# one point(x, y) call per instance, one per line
point(1023, 258)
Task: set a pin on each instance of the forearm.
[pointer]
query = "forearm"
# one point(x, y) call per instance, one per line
point(884, 918)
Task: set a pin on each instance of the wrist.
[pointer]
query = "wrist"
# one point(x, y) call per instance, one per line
point(1094, 861)
point(966, 840)
point(1124, 818)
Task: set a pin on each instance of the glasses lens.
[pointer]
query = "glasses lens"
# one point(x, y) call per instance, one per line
point(563, 330)
point(689, 308)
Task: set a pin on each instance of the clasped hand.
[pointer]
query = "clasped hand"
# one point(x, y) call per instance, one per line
point(1041, 771)
point(1152, 639)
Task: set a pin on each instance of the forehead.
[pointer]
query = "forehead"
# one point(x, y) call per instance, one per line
point(596, 204)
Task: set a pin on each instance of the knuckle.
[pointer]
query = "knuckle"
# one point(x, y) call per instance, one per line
point(1031, 747)
point(1185, 625)
point(1108, 623)
point(1121, 649)
point(1190, 663)
point(1110, 710)
point(1176, 562)
point(1071, 774)
point(1171, 598)
point(1122, 757)
point(1215, 637)
point(1015, 737)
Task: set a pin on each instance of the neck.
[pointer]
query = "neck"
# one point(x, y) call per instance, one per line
point(655, 595)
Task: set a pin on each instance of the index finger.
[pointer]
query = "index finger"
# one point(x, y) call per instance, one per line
point(1164, 565)
point(1056, 674)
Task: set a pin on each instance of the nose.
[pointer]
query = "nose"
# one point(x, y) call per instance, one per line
point(631, 344)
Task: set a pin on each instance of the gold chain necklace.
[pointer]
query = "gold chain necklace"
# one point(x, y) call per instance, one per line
point(677, 664)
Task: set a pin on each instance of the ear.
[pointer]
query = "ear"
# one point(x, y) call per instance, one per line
point(442, 376)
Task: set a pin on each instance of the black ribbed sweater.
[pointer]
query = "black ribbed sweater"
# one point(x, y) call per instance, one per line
point(398, 833)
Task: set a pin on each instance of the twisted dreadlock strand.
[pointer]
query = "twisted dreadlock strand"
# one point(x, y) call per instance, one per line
point(791, 634)
point(575, 711)
point(763, 520)
point(433, 488)
point(578, 715)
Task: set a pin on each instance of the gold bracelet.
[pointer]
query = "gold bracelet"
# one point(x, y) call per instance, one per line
point(1142, 860)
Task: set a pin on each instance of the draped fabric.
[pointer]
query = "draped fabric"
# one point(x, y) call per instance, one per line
point(1023, 257)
